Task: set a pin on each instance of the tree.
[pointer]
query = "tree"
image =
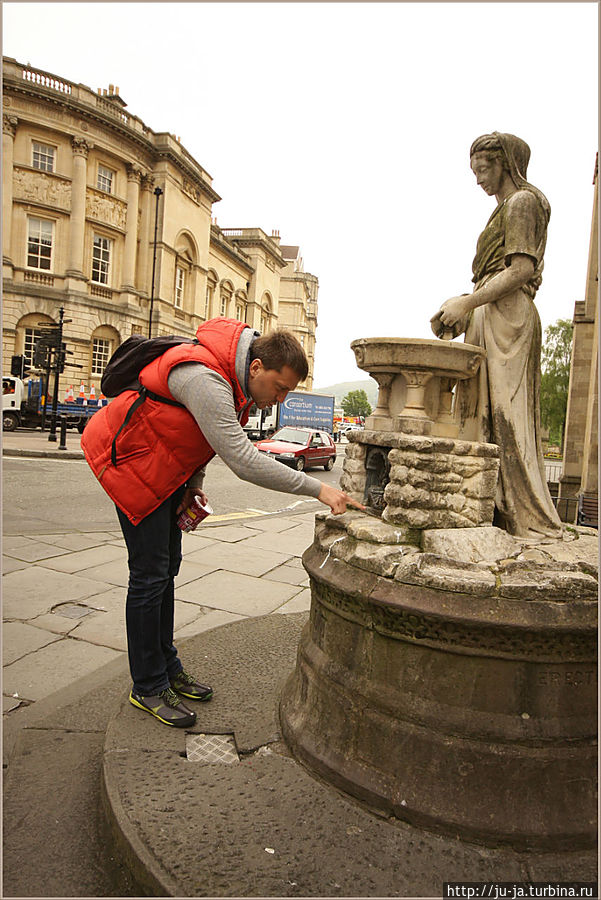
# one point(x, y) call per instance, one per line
point(356, 404)
point(555, 367)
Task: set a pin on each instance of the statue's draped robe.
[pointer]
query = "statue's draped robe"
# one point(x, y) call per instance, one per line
point(501, 404)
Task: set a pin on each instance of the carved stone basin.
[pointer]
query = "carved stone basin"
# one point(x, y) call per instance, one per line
point(416, 377)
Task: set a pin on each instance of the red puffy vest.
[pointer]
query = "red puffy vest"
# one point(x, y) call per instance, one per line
point(161, 446)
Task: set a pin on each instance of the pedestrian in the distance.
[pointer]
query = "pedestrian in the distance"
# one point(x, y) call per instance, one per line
point(153, 465)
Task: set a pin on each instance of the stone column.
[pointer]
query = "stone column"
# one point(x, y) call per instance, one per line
point(131, 229)
point(144, 260)
point(81, 149)
point(9, 129)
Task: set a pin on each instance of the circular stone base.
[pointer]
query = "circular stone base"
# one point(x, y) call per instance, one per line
point(470, 713)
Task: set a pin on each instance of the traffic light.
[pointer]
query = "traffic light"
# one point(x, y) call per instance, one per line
point(18, 367)
point(40, 355)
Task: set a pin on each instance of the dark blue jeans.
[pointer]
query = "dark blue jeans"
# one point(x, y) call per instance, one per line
point(154, 549)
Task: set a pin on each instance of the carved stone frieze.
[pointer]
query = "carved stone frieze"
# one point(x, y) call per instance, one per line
point(40, 187)
point(107, 209)
point(191, 190)
point(471, 637)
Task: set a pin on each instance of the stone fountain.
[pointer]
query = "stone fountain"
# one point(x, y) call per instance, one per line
point(447, 674)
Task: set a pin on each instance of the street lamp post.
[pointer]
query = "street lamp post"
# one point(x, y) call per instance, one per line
point(157, 194)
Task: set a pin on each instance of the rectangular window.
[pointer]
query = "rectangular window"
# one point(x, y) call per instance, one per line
point(39, 243)
point(101, 259)
point(223, 307)
point(104, 182)
point(43, 157)
point(32, 335)
point(179, 287)
point(208, 298)
point(101, 350)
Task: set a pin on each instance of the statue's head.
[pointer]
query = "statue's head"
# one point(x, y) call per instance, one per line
point(512, 152)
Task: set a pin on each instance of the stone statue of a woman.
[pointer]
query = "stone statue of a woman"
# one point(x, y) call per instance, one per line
point(501, 404)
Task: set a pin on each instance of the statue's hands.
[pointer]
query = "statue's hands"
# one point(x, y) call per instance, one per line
point(453, 310)
point(436, 325)
point(451, 318)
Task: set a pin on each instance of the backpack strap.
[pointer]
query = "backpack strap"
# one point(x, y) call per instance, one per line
point(143, 393)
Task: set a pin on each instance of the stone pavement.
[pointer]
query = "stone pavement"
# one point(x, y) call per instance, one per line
point(101, 800)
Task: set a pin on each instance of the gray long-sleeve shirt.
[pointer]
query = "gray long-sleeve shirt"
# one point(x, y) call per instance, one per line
point(209, 398)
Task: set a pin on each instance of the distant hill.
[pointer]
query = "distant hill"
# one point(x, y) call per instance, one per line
point(341, 390)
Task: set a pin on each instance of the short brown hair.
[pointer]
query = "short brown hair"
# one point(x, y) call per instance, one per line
point(278, 349)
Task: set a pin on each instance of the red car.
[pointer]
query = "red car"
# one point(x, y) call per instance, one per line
point(300, 448)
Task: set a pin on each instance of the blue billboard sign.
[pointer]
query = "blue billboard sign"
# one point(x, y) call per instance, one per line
point(307, 410)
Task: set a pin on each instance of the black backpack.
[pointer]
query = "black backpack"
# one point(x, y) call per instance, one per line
point(128, 360)
point(124, 366)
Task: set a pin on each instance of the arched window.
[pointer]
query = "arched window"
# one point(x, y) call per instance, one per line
point(241, 306)
point(225, 298)
point(103, 343)
point(186, 256)
point(266, 313)
point(212, 280)
point(28, 332)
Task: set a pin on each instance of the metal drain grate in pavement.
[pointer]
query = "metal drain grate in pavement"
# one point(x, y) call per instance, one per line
point(211, 748)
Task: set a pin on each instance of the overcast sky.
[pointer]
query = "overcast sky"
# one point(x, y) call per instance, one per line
point(347, 127)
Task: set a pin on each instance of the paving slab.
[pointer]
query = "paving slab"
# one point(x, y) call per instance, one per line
point(294, 541)
point(300, 603)
point(12, 565)
point(80, 560)
point(194, 541)
point(231, 534)
point(19, 639)
point(76, 541)
point(275, 524)
point(34, 551)
point(208, 619)
point(240, 558)
point(191, 571)
point(36, 590)
point(115, 572)
point(237, 593)
point(105, 629)
point(288, 575)
point(54, 623)
point(53, 667)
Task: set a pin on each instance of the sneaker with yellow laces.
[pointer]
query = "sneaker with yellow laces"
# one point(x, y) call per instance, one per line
point(189, 687)
point(166, 706)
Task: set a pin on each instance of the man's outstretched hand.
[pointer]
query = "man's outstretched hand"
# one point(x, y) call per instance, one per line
point(336, 500)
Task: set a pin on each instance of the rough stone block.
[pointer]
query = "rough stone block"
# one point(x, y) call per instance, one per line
point(443, 574)
point(376, 531)
point(356, 451)
point(473, 545)
point(381, 560)
point(354, 466)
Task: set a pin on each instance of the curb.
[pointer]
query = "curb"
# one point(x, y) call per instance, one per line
point(47, 454)
point(143, 868)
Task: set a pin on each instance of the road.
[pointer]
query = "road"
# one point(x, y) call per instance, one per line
point(47, 496)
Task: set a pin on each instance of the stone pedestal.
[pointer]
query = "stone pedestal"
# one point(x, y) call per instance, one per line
point(458, 696)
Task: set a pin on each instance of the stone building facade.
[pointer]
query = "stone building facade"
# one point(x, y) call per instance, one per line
point(581, 441)
point(114, 222)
